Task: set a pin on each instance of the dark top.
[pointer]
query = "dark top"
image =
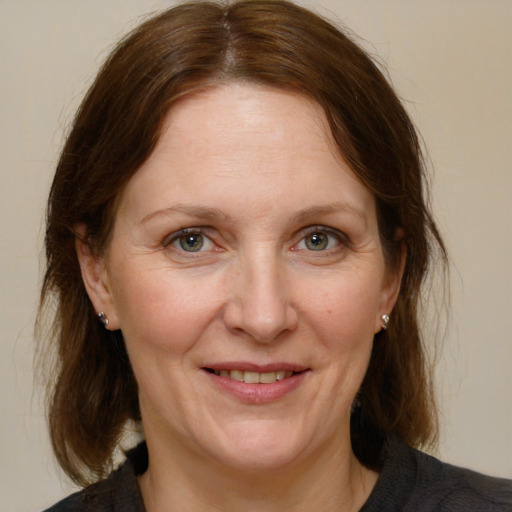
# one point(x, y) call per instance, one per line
point(410, 481)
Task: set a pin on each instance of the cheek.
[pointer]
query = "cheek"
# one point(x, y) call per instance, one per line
point(163, 313)
point(344, 309)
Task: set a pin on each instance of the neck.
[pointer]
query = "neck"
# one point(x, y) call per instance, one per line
point(330, 479)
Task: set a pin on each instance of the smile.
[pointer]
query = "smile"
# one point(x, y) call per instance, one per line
point(254, 377)
point(253, 384)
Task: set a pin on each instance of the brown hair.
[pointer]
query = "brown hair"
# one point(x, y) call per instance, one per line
point(189, 47)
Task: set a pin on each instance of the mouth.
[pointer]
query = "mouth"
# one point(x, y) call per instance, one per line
point(251, 383)
point(251, 377)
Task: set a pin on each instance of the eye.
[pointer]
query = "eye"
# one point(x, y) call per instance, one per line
point(192, 242)
point(317, 241)
point(189, 240)
point(321, 239)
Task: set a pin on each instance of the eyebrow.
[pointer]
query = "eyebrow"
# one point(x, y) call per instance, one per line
point(215, 214)
point(340, 206)
point(200, 212)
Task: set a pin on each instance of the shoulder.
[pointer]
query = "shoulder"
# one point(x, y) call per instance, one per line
point(411, 480)
point(449, 487)
point(118, 493)
point(97, 497)
point(69, 504)
point(73, 503)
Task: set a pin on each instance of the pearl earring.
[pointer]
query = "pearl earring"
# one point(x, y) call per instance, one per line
point(103, 319)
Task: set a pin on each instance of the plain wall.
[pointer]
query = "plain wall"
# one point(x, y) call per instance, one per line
point(451, 63)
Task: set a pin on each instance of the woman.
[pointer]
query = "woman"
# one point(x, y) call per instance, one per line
point(237, 238)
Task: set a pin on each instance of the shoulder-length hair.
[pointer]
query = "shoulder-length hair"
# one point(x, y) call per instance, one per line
point(93, 392)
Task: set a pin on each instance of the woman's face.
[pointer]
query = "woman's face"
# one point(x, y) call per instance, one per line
point(246, 273)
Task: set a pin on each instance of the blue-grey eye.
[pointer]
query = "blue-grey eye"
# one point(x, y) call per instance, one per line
point(191, 242)
point(317, 241)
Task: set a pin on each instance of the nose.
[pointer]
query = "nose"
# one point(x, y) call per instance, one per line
point(260, 303)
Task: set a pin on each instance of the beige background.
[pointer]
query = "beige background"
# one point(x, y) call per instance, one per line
point(451, 62)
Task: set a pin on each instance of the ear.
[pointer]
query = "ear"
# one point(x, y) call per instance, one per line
point(95, 277)
point(391, 284)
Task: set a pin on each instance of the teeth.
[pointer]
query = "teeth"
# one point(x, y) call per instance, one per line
point(251, 378)
point(255, 377)
point(237, 375)
point(267, 378)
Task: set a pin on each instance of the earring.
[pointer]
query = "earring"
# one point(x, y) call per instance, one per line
point(103, 319)
point(385, 321)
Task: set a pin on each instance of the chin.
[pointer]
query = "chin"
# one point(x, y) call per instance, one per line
point(266, 446)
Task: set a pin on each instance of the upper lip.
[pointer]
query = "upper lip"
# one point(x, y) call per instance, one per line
point(258, 368)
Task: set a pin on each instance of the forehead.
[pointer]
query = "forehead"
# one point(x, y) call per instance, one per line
point(266, 144)
point(250, 115)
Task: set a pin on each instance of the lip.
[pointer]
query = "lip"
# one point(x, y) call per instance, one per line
point(256, 393)
point(260, 368)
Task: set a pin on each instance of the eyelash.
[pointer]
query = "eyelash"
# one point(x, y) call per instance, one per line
point(179, 235)
point(331, 233)
point(341, 239)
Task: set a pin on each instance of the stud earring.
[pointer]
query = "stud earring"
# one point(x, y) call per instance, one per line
point(103, 319)
point(385, 321)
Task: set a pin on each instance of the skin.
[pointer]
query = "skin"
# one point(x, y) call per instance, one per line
point(252, 172)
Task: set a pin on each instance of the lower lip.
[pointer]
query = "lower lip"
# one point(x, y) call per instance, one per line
point(258, 393)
